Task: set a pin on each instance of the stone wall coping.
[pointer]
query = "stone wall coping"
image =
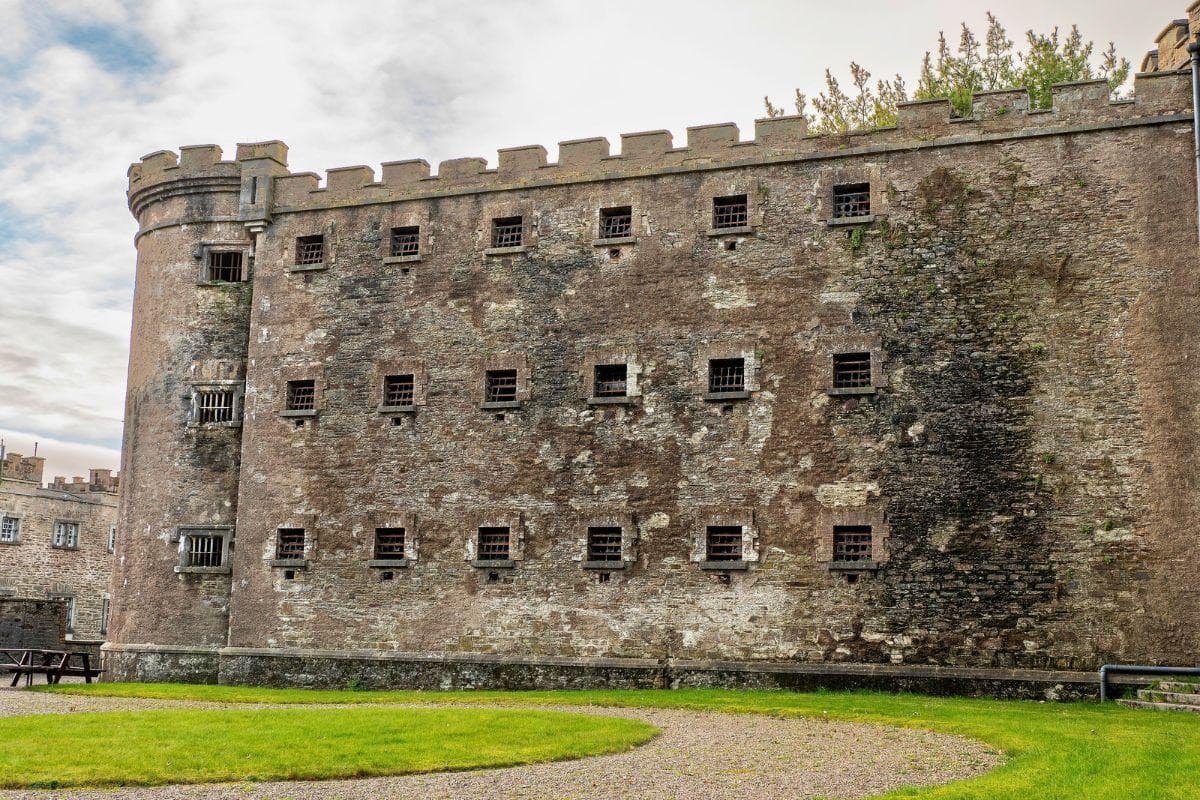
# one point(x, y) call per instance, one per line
point(466, 658)
point(120, 647)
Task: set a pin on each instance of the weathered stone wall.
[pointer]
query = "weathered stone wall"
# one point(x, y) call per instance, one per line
point(36, 624)
point(1025, 283)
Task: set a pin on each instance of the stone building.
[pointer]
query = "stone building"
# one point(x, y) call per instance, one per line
point(1170, 51)
point(913, 404)
point(57, 541)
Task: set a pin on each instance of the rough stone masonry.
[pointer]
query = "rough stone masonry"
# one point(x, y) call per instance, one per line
point(914, 405)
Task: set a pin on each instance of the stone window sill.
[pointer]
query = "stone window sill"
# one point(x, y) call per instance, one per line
point(613, 242)
point(64, 547)
point(306, 267)
point(850, 390)
point(233, 423)
point(723, 396)
point(14, 542)
point(740, 230)
point(623, 400)
point(500, 405)
point(204, 570)
point(402, 259)
point(221, 283)
point(494, 563)
point(506, 251)
point(852, 566)
point(604, 566)
point(388, 563)
point(299, 412)
point(290, 563)
point(838, 221)
point(409, 409)
point(720, 566)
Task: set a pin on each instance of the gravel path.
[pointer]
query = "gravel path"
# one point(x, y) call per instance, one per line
point(697, 757)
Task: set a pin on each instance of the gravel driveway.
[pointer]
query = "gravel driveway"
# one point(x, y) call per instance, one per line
point(698, 756)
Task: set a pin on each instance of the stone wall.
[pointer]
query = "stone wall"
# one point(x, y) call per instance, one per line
point(1024, 285)
point(35, 624)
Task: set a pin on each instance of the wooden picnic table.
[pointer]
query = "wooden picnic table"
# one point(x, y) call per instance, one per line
point(54, 664)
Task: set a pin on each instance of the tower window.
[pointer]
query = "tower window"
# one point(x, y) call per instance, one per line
point(389, 543)
point(310, 249)
point(301, 395)
point(730, 212)
point(852, 543)
point(203, 549)
point(616, 223)
point(507, 231)
point(726, 375)
point(493, 543)
point(723, 543)
point(398, 390)
point(851, 200)
point(406, 241)
point(214, 406)
point(610, 381)
point(225, 266)
point(851, 370)
point(500, 386)
point(290, 544)
point(604, 544)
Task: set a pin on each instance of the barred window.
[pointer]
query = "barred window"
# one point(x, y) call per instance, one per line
point(604, 544)
point(290, 544)
point(389, 543)
point(730, 212)
point(398, 390)
point(610, 381)
point(406, 241)
point(225, 266)
point(851, 200)
point(726, 375)
point(203, 549)
point(723, 543)
point(616, 223)
point(10, 529)
point(500, 386)
point(851, 370)
point(214, 405)
point(310, 249)
point(507, 231)
point(493, 543)
point(852, 543)
point(301, 395)
point(66, 535)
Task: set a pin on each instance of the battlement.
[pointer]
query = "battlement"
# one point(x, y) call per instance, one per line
point(98, 480)
point(920, 123)
point(17, 467)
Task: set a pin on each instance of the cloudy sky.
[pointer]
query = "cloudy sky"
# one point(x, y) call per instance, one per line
point(88, 86)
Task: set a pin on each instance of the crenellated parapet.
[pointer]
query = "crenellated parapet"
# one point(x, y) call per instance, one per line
point(259, 173)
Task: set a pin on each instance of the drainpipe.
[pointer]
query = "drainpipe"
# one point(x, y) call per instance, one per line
point(1194, 49)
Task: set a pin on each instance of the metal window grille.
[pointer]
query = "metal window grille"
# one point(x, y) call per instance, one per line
point(389, 543)
point(301, 395)
point(723, 543)
point(310, 249)
point(501, 386)
point(851, 370)
point(610, 381)
point(493, 544)
point(507, 231)
point(214, 406)
point(10, 529)
point(852, 200)
point(66, 534)
point(727, 375)
point(616, 223)
point(730, 212)
point(398, 390)
point(290, 544)
point(225, 266)
point(604, 544)
point(406, 241)
point(204, 550)
point(852, 543)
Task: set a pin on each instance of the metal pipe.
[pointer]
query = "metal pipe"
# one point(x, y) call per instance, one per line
point(1194, 49)
point(1139, 669)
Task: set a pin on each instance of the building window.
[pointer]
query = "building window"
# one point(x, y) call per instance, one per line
point(290, 544)
point(493, 543)
point(389, 543)
point(310, 250)
point(726, 375)
point(112, 538)
point(723, 543)
point(507, 231)
point(203, 549)
point(616, 223)
point(610, 381)
point(105, 613)
point(66, 535)
point(70, 602)
point(852, 543)
point(301, 396)
point(214, 405)
point(851, 370)
point(406, 241)
point(730, 212)
point(10, 530)
point(851, 200)
point(500, 386)
point(604, 544)
point(398, 390)
point(225, 266)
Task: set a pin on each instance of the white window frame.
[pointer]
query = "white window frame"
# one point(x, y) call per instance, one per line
point(185, 533)
point(236, 388)
point(13, 535)
point(112, 538)
point(66, 535)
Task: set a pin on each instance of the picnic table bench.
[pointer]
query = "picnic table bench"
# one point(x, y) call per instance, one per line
point(54, 664)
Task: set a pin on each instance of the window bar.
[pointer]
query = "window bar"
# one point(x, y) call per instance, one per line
point(726, 375)
point(851, 370)
point(616, 223)
point(723, 543)
point(730, 212)
point(493, 544)
point(852, 543)
point(604, 544)
point(501, 386)
point(398, 390)
point(389, 543)
point(406, 241)
point(507, 231)
point(610, 381)
point(290, 545)
point(852, 200)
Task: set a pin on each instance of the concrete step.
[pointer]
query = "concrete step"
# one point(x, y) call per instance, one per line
point(1160, 696)
point(1160, 706)
point(1187, 687)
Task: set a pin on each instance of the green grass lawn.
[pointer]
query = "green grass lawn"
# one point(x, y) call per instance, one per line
point(146, 748)
point(1068, 751)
